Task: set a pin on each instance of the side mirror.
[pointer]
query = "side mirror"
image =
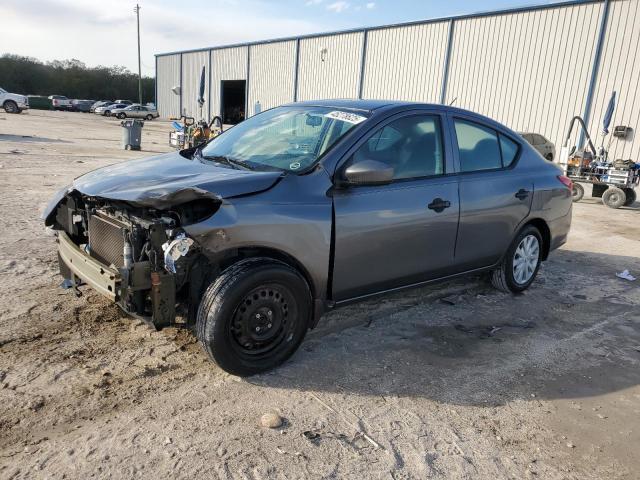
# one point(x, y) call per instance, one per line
point(368, 172)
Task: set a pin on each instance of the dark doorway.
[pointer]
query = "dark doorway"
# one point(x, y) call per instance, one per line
point(233, 101)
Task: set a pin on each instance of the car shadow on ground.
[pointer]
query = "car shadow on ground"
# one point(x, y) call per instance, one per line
point(575, 333)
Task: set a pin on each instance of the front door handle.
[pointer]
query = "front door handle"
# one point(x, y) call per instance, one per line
point(438, 205)
point(522, 194)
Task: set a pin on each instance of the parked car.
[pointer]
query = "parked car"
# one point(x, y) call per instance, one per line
point(304, 208)
point(106, 110)
point(99, 103)
point(126, 102)
point(81, 105)
point(13, 102)
point(543, 145)
point(135, 111)
point(60, 102)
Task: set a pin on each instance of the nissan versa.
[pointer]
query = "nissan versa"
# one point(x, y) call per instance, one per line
point(306, 207)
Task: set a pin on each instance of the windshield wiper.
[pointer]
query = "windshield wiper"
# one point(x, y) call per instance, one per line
point(232, 162)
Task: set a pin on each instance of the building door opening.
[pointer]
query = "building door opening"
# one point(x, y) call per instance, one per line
point(233, 101)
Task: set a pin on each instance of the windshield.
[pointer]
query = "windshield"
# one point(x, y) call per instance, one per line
point(286, 138)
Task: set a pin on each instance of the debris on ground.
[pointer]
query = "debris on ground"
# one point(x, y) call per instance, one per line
point(625, 275)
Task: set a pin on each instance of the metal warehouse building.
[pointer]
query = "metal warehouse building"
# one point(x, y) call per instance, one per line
point(532, 68)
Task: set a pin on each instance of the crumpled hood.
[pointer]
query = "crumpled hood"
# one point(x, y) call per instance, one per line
point(165, 180)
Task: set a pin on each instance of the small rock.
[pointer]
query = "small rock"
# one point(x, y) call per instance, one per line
point(35, 404)
point(602, 417)
point(271, 420)
point(167, 441)
point(533, 395)
point(570, 445)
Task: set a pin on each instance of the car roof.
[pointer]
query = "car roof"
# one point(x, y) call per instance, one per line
point(378, 105)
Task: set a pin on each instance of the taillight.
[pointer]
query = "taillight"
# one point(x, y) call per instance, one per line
point(566, 181)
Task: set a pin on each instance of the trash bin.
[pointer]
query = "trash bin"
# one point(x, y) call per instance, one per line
point(131, 134)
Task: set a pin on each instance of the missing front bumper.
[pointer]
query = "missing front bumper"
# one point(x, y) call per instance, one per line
point(101, 278)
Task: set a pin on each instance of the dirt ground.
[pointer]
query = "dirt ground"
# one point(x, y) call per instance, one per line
point(450, 381)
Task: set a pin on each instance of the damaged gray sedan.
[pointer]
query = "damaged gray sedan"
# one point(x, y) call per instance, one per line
point(250, 238)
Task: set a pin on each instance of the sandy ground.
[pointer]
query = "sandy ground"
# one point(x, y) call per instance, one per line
point(451, 381)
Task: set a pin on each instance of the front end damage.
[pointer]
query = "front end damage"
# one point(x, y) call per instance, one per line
point(136, 255)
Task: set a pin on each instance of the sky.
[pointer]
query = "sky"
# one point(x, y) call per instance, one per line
point(103, 32)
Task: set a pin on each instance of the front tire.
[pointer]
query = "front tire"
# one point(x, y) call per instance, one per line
point(121, 116)
point(11, 107)
point(254, 316)
point(520, 265)
point(149, 117)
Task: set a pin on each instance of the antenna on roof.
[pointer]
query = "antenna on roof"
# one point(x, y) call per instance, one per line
point(453, 101)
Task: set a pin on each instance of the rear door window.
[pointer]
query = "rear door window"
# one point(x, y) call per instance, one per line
point(478, 147)
point(482, 148)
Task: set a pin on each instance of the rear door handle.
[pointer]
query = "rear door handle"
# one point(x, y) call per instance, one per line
point(522, 194)
point(438, 205)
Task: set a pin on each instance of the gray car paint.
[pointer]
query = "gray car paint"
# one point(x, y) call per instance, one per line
point(384, 237)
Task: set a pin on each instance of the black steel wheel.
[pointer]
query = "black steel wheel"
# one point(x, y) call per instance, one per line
point(630, 195)
point(254, 316)
point(614, 197)
point(577, 193)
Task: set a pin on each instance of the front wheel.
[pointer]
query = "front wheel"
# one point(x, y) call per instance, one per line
point(254, 316)
point(520, 265)
point(149, 117)
point(121, 116)
point(11, 107)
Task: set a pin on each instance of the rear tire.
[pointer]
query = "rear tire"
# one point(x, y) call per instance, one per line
point(254, 316)
point(149, 117)
point(11, 107)
point(614, 197)
point(520, 264)
point(577, 193)
point(121, 116)
point(630, 195)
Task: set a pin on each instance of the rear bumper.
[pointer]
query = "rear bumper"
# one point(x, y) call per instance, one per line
point(559, 229)
point(76, 263)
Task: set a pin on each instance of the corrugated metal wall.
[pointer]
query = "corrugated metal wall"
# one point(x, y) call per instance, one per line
point(329, 66)
point(620, 71)
point(192, 64)
point(406, 63)
point(226, 64)
point(272, 74)
point(167, 77)
point(528, 70)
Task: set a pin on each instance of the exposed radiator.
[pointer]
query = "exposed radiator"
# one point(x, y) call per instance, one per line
point(106, 241)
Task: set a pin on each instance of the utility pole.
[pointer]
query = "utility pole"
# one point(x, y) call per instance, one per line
point(137, 10)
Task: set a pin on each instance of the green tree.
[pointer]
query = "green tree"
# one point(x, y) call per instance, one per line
point(71, 78)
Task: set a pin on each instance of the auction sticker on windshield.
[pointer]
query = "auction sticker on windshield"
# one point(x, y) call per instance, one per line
point(346, 117)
